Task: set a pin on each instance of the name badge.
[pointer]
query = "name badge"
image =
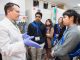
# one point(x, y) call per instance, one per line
point(37, 38)
point(57, 35)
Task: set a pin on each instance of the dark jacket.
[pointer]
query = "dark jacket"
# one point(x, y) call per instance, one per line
point(58, 30)
point(37, 32)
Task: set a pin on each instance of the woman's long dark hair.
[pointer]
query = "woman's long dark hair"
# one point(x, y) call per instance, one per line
point(51, 24)
point(71, 13)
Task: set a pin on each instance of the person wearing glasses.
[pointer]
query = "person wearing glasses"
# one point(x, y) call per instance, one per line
point(38, 30)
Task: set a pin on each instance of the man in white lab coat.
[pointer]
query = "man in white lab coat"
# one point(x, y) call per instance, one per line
point(12, 45)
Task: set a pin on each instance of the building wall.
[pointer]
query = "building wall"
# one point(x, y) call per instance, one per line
point(20, 3)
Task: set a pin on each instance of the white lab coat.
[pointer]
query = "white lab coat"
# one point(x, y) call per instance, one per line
point(11, 42)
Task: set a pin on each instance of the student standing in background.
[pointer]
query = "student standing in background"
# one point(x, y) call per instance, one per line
point(38, 30)
point(59, 29)
point(49, 36)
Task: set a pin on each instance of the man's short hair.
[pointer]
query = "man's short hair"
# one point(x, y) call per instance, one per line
point(9, 6)
point(39, 14)
point(78, 19)
point(71, 13)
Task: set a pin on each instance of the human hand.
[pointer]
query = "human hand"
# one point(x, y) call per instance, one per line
point(29, 42)
point(25, 35)
point(52, 53)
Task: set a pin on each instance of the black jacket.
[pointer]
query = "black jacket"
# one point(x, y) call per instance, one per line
point(59, 31)
point(32, 31)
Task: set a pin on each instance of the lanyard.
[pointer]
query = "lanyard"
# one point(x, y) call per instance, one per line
point(37, 25)
point(62, 39)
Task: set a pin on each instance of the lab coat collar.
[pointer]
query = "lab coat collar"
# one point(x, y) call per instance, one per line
point(10, 23)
